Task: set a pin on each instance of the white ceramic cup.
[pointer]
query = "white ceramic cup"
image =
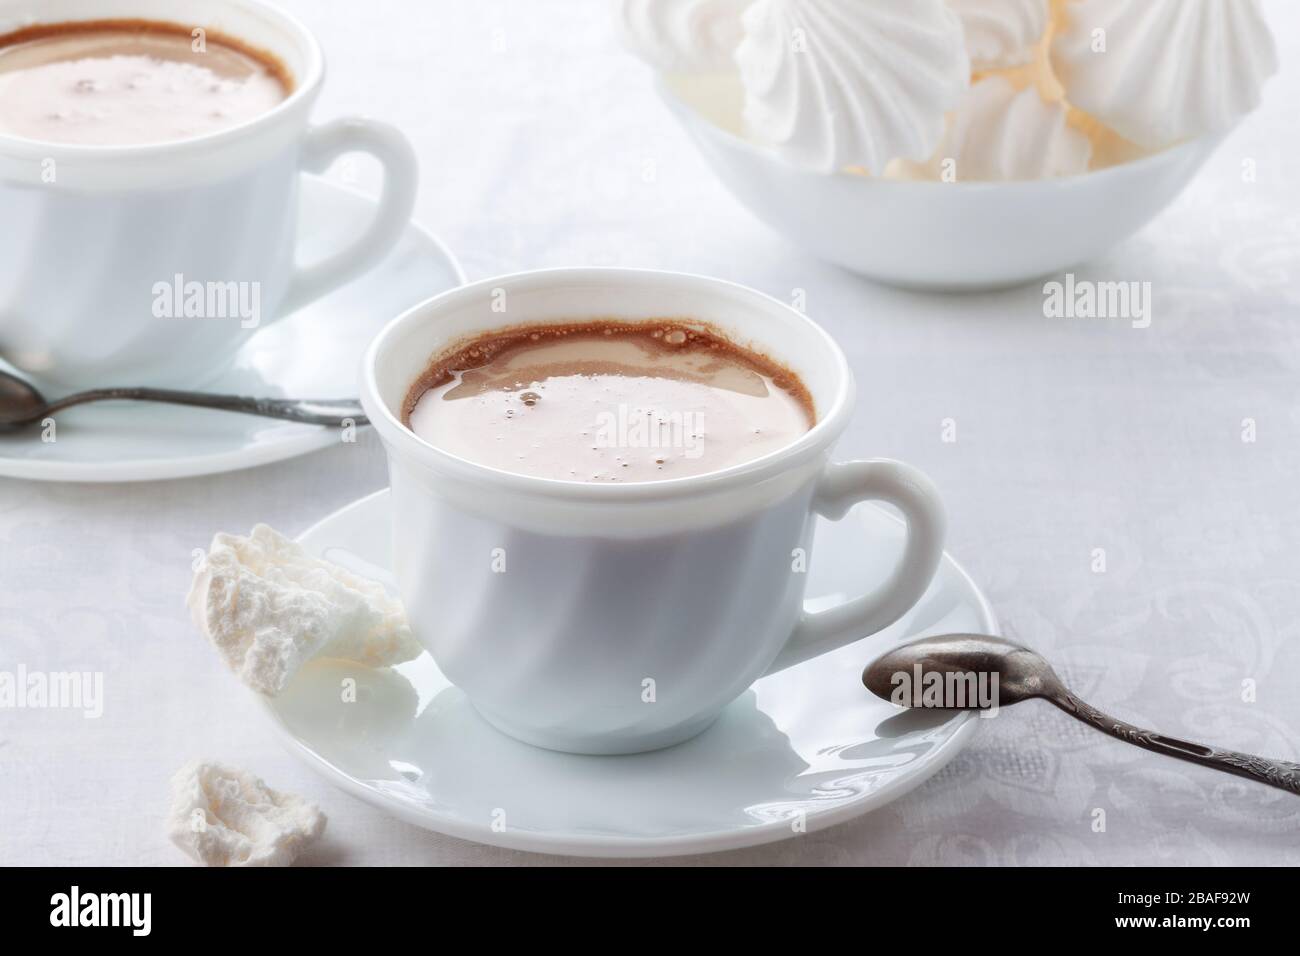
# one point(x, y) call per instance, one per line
point(92, 235)
point(616, 618)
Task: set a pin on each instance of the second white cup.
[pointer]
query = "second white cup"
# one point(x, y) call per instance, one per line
point(96, 237)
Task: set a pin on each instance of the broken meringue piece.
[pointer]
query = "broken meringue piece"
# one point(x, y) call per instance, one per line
point(830, 85)
point(1160, 72)
point(1002, 33)
point(269, 607)
point(223, 816)
point(1002, 134)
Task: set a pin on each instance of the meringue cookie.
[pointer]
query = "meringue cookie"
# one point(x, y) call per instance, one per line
point(1001, 134)
point(1169, 70)
point(269, 607)
point(1037, 72)
point(684, 36)
point(223, 816)
point(1108, 147)
point(1002, 33)
point(830, 84)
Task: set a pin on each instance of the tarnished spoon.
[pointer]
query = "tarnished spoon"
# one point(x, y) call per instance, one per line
point(1022, 675)
point(21, 405)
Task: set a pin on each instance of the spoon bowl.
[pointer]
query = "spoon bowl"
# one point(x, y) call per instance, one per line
point(1022, 674)
point(20, 403)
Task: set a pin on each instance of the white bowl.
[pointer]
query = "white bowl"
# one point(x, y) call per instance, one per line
point(932, 235)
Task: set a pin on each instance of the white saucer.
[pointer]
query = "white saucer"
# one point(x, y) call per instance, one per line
point(809, 744)
point(312, 354)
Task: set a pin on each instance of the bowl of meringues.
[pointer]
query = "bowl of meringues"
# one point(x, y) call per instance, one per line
point(956, 144)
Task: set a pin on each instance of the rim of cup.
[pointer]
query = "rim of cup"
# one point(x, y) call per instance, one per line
point(304, 87)
point(811, 446)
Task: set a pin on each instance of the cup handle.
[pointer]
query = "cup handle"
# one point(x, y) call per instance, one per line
point(322, 146)
point(841, 487)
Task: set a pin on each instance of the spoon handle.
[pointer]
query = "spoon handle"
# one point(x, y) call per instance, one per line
point(1275, 773)
point(308, 411)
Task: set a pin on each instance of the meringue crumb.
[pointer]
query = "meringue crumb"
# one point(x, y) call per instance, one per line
point(269, 607)
point(224, 816)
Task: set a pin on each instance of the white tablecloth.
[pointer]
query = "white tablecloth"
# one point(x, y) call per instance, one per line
point(1073, 435)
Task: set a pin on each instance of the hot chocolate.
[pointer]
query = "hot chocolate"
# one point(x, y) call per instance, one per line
point(608, 402)
point(131, 82)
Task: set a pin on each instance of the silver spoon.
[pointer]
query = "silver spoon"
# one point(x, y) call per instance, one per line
point(1022, 674)
point(22, 405)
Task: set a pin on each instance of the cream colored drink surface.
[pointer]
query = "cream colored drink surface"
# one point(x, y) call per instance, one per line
point(126, 83)
point(608, 402)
